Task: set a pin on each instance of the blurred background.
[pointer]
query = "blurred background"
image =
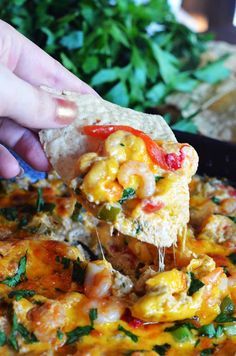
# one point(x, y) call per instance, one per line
point(176, 58)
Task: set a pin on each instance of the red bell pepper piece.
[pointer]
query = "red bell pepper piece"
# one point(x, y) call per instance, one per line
point(170, 161)
point(151, 207)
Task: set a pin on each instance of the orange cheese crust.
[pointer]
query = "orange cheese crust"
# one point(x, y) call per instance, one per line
point(68, 300)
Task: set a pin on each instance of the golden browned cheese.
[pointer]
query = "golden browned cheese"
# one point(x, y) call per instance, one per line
point(69, 285)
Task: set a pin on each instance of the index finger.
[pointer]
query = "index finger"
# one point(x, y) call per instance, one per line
point(32, 64)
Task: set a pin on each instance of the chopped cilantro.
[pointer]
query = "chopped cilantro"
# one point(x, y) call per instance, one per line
point(157, 178)
point(64, 261)
point(195, 284)
point(128, 333)
point(38, 302)
point(206, 352)
point(93, 314)
point(76, 216)
point(224, 318)
point(3, 338)
point(9, 213)
point(207, 330)
point(60, 334)
point(219, 331)
point(227, 306)
point(161, 349)
point(227, 309)
point(138, 228)
point(230, 330)
point(233, 218)
point(23, 221)
point(27, 336)
point(77, 333)
point(226, 271)
point(21, 293)
point(18, 328)
point(49, 207)
point(232, 257)
point(78, 273)
point(41, 205)
point(215, 200)
point(12, 340)
point(128, 193)
point(40, 200)
point(18, 276)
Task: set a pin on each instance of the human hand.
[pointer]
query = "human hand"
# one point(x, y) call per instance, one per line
point(24, 107)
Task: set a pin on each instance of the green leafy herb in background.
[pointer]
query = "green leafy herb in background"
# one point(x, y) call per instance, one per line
point(107, 45)
point(19, 275)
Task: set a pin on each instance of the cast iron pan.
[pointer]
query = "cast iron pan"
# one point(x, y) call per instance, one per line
point(216, 158)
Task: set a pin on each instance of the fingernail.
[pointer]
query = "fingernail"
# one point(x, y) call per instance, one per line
point(21, 173)
point(66, 111)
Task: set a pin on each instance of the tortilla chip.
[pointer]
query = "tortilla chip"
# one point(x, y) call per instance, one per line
point(64, 146)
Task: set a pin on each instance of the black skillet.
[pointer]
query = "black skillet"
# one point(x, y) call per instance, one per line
point(216, 158)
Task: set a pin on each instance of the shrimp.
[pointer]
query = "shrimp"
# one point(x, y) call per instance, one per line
point(100, 184)
point(98, 280)
point(109, 310)
point(140, 169)
point(85, 162)
point(126, 147)
point(46, 319)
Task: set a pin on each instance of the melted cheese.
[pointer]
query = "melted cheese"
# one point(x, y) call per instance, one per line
point(138, 303)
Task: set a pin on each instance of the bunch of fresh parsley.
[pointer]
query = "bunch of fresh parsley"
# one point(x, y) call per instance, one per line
point(108, 45)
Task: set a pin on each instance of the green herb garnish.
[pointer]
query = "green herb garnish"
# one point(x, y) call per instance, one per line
point(21, 293)
point(76, 216)
point(40, 200)
point(233, 218)
point(64, 261)
point(128, 193)
point(18, 328)
point(78, 273)
point(152, 67)
point(206, 352)
point(49, 207)
point(215, 200)
point(18, 276)
point(41, 205)
point(60, 334)
point(207, 330)
point(195, 284)
point(9, 213)
point(77, 333)
point(230, 330)
point(128, 333)
point(93, 314)
point(161, 349)
point(227, 308)
point(3, 338)
point(23, 221)
point(232, 257)
point(138, 228)
point(157, 178)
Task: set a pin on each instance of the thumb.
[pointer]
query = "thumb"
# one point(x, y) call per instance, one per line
point(30, 106)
